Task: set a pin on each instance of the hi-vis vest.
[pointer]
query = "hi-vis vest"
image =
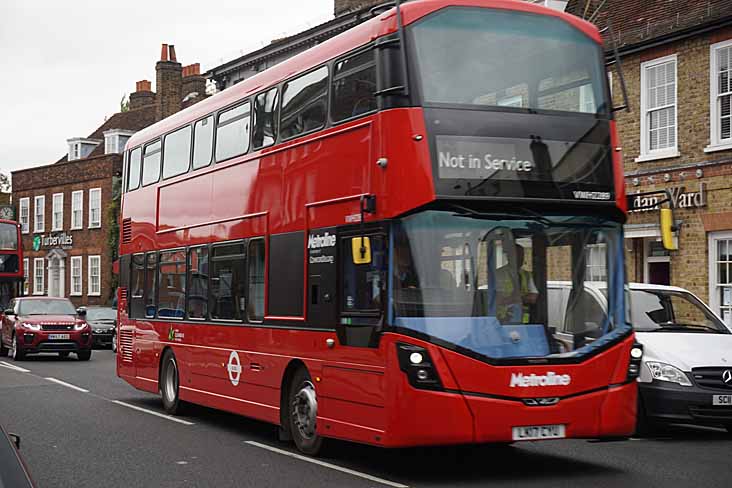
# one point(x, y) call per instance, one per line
point(513, 312)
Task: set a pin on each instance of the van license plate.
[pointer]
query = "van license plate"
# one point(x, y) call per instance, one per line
point(537, 432)
point(725, 400)
point(59, 337)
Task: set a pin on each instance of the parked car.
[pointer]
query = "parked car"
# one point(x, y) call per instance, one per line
point(103, 321)
point(43, 324)
point(13, 472)
point(686, 373)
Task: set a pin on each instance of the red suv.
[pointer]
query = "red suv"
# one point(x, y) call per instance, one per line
point(42, 324)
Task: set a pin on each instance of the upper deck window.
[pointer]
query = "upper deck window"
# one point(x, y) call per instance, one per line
point(232, 133)
point(265, 119)
point(151, 164)
point(304, 103)
point(203, 142)
point(354, 85)
point(133, 170)
point(177, 154)
point(487, 57)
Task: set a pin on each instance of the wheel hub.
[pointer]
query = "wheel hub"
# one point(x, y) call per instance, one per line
point(171, 382)
point(305, 410)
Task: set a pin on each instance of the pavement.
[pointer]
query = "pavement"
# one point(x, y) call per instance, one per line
point(81, 426)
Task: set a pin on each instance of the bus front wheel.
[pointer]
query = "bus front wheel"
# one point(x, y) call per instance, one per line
point(303, 412)
point(169, 382)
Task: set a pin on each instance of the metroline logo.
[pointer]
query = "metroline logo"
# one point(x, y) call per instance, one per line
point(549, 379)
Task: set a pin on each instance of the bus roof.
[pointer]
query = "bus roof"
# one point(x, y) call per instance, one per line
point(362, 34)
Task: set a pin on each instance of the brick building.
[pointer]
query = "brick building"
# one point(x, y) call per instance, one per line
point(677, 61)
point(64, 208)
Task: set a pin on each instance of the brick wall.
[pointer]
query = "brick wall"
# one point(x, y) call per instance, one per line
point(66, 178)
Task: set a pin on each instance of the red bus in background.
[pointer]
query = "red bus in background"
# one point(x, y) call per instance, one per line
point(357, 243)
point(11, 263)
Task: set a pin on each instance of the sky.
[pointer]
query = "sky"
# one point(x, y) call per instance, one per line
point(66, 64)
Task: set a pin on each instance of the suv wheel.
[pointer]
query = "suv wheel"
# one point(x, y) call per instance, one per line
point(3, 349)
point(15, 351)
point(84, 355)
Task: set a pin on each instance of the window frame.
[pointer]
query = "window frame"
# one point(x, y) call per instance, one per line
point(36, 228)
point(72, 291)
point(57, 225)
point(89, 290)
point(250, 241)
point(333, 78)
point(39, 285)
point(646, 154)
point(189, 251)
point(157, 140)
point(159, 280)
point(283, 85)
point(26, 276)
point(95, 225)
point(211, 259)
point(211, 158)
point(217, 115)
point(275, 117)
point(24, 226)
point(77, 225)
point(716, 143)
point(127, 169)
point(190, 152)
point(713, 239)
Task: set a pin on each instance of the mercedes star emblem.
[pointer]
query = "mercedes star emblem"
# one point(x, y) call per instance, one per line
point(727, 377)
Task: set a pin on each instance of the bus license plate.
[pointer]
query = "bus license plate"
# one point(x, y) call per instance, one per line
point(725, 400)
point(538, 432)
point(59, 337)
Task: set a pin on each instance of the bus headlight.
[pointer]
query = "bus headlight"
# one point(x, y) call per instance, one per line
point(636, 358)
point(416, 362)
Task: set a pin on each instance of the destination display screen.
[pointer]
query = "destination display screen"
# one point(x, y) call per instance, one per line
point(502, 158)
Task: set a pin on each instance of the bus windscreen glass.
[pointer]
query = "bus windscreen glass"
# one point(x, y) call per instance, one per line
point(500, 58)
point(8, 237)
point(510, 286)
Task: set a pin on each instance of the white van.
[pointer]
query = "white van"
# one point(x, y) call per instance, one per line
point(686, 376)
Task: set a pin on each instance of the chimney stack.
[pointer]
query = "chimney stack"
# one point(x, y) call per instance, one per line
point(143, 95)
point(168, 82)
point(194, 85)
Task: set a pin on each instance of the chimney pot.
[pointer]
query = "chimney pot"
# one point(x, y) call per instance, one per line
point(172, 53)
point(143, 85)
point(164, 53)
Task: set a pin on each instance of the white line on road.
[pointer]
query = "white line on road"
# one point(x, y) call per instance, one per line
point(13, 367)
point(152, 412)
point(327, 465)
point(68, 385)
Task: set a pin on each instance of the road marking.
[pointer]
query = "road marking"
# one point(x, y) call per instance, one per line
point(152, 412)
point(13, 367)
point(68, 385)
point(327, 465)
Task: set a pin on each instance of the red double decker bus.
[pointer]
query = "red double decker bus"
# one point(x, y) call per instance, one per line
point(11, 263)
point(391, 238)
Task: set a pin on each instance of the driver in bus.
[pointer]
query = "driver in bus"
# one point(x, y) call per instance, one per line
point(516, 291)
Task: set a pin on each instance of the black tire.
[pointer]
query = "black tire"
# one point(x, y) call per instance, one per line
point(169, 384)
point(84, 355)
point(63, 354)
point(3, 349)
point(729, 428)
point(302, 405)
point(17, 352)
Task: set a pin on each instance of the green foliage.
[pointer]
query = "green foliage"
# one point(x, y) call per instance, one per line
point(113, 229)
point(4, 182)
point(124, 104)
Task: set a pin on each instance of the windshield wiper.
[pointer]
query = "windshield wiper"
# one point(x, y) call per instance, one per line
point(685, 327)
point(504, 215)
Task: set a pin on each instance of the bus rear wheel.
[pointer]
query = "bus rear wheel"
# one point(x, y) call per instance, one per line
point(303, 413)
point(169, 384)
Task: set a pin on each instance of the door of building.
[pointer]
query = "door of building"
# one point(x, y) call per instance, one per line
point(657, 263)
point(56, 273)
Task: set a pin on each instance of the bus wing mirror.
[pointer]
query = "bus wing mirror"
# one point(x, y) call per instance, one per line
point(361, 250)
point(667, 229)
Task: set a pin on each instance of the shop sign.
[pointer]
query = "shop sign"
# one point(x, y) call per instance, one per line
point(52, 240)
point(680, 198)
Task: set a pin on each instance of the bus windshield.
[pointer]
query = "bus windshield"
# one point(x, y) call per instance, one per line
point(501, 58)
point(488, 282)
point(8, 237)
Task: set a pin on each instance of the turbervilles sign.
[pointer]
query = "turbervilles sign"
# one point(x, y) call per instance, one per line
point(57, 240)
point(680, 198)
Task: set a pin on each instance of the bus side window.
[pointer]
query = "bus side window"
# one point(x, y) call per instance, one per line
point(133, 169)
point(172, 282)
point(304, 103)
point(354, 85)
point(177, 152)
point(228, 282)
point(203, 142)
point(151, 285)
point(265, 119)
point(255, 310)
point(364, 284)
point(198, 283)
point(232, 132)
point(151, 164)
point(137, 286)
